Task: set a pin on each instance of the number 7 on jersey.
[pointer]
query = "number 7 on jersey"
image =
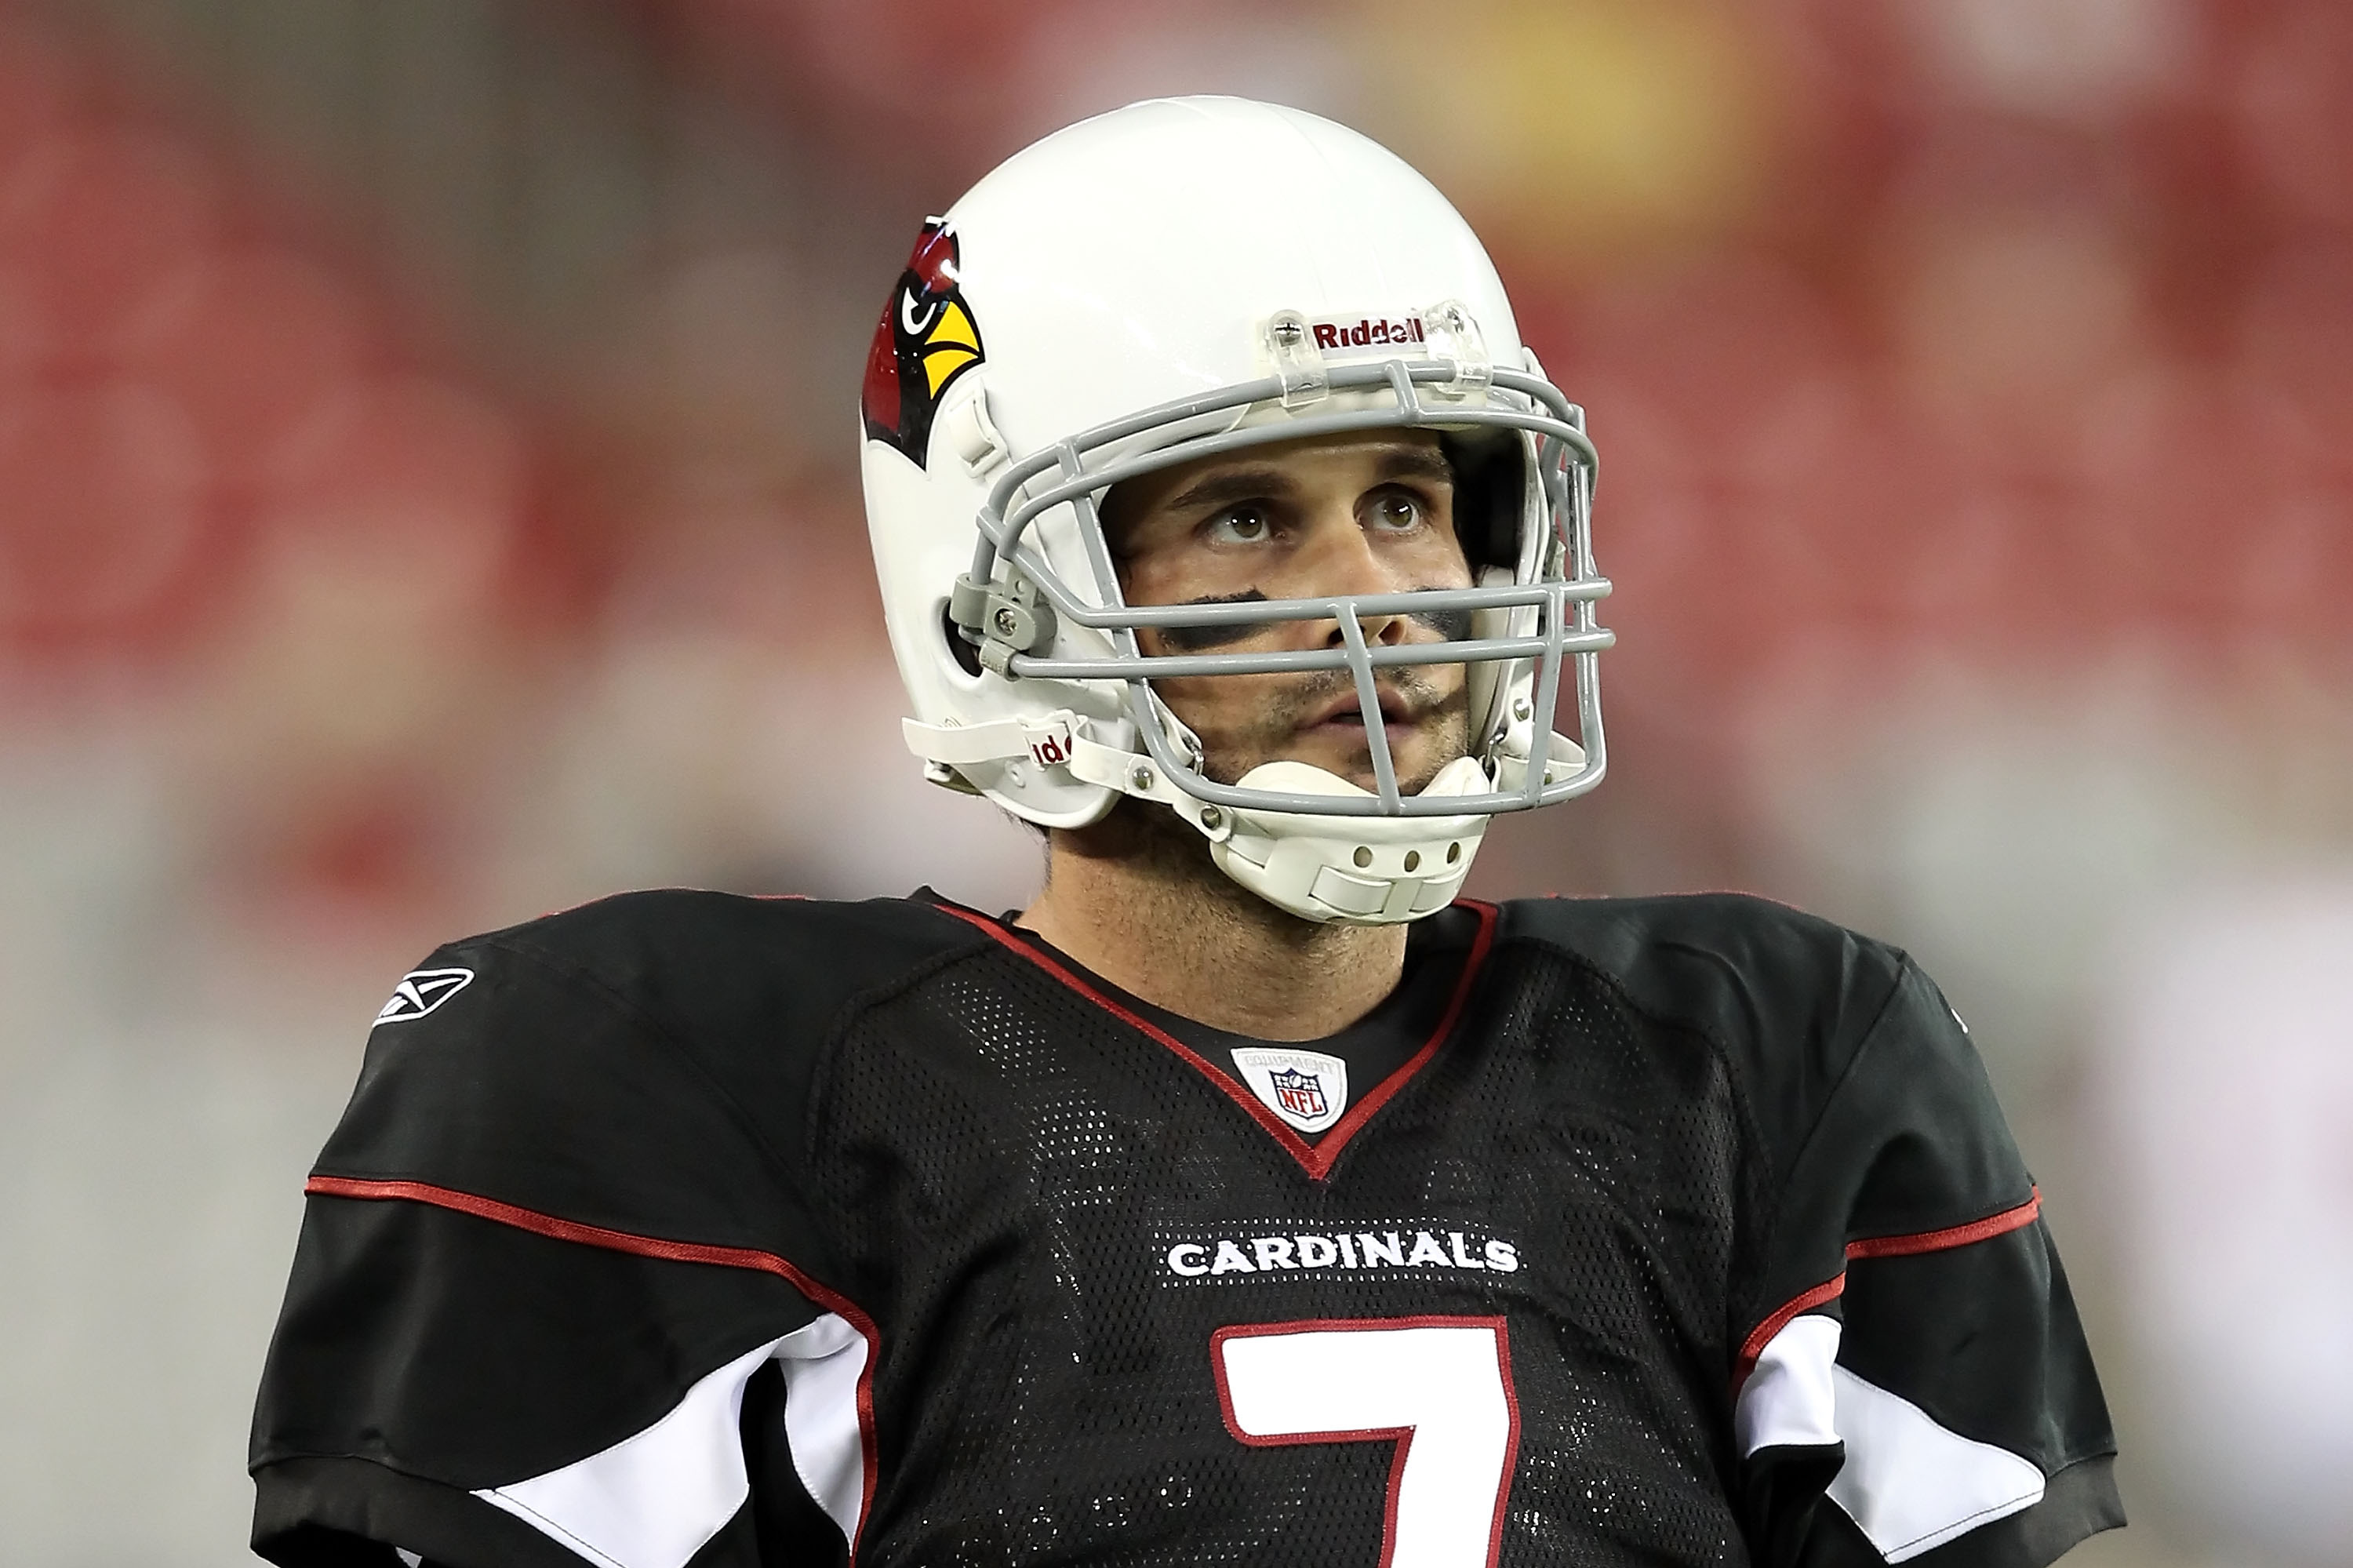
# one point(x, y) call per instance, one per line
point(1440, 1388)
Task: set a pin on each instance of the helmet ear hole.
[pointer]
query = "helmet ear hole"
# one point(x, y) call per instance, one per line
point(960, 648)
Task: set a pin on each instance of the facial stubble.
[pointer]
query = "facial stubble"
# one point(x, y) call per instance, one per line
point(1155, 841)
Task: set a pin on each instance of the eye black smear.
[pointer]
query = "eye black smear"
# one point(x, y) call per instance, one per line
point(1193, 639)
point(1454, 625)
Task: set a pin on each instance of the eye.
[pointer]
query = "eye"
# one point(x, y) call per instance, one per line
point(1245, 525)
point(1394, 512)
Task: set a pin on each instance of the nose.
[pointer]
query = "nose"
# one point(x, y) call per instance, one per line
point(1343, 561)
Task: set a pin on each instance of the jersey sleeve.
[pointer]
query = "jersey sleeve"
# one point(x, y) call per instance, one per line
point(551, 1303)
point(1912, 1383)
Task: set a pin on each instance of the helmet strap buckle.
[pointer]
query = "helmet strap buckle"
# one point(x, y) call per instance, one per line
point(1003, 620)
point(1453, 335)
point(1298, 363)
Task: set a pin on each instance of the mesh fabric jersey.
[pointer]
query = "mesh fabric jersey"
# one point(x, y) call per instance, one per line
point(698, 1230)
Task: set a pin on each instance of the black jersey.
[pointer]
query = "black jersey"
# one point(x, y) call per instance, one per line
point(687, 1229)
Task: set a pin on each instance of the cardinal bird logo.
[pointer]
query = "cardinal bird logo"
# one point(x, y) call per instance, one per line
point(926, 340)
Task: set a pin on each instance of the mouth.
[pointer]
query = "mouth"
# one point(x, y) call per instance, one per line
point(1344, 712)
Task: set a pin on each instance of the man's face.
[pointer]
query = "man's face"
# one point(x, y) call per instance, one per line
point(1367, 513)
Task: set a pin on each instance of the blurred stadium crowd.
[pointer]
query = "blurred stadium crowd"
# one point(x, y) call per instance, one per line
point(428, 497)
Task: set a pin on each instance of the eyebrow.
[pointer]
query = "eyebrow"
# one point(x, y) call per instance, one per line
point(1228, 485)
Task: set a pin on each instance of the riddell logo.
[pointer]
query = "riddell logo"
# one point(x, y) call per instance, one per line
point(1365, 332)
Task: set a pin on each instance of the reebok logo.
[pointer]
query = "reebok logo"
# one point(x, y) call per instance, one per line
point(420, 991)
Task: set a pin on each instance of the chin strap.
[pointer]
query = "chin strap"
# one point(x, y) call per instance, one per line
point(1358, 871)
point(1363, 871)
point(1060, 739)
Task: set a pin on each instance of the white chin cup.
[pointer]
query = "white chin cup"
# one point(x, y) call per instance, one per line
point(1355, 871)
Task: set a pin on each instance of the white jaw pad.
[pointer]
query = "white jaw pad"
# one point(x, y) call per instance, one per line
point(1358, 871)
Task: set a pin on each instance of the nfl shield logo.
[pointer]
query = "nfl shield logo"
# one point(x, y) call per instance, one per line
point(1301, 1094)
point(1305, 1088)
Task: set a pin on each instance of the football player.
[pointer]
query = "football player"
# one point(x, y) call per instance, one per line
point(1251, 1198)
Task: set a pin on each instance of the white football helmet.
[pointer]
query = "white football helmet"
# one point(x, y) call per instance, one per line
point(1177, 279)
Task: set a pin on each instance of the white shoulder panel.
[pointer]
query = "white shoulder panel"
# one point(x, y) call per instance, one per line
point(1909, 1483)
point(652, 1499)
point(822, 1363)
point(1912, 1484)
point(1789, 1398)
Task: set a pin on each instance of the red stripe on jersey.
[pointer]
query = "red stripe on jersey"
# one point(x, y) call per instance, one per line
point(1956, 1235)
point(549, 1225)
point(1804, 1301)
point(1316, 1158)
point(1909, 1245)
